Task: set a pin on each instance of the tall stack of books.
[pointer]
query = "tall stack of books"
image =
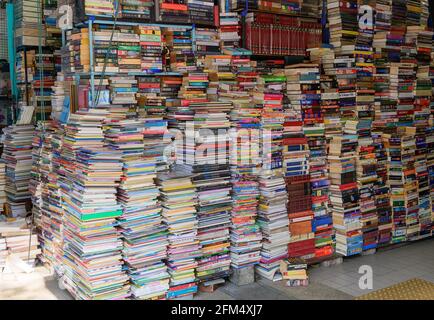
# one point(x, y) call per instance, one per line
point(3, 198)
point(366, 161)
point(179, 198)
point(344, 195)
point(129, 51)
point(382, 191)
point(402, 181)
point(41, 189)
point(151, 49)
point(123, 91)
point(296, 168)
point(18, 159)
point(144, 234)
point(92, 259)
point(28, 22)
point(207, 41)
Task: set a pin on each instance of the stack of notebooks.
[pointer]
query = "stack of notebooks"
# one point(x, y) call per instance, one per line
point(92, 259)
point(151, 49)
point(403, 184)
point(296, 162)
point(179, 198)
point(17, 156)
point(344, 195)
point(144, 234)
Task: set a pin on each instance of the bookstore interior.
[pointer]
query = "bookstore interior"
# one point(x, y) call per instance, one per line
point(167, 149)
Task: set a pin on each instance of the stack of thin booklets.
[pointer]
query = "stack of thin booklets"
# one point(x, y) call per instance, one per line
point(144, 234)
point(294, 270)
point(179, 199)
point(93, 258)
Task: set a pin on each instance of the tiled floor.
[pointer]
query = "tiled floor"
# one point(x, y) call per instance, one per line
point(338, 282)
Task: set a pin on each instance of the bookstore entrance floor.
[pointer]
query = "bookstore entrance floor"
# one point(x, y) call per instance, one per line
point(389, 267)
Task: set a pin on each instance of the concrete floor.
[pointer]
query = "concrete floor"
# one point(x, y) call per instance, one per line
point(339, 282)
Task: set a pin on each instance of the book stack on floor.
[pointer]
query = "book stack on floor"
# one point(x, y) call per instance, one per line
point(294, 272)
point(93, 266)
point(314, 131)
point(382, 192)
point(39, 189)
point(235, 73)
point(273, 218)
point(204, 155)
point(401, 148)
point(18, 241)
point(144, 234)
point(18, 159)
point(344, 195)
point(59, 93)
point(151, 49)
point(178, 198)
point(296, 164)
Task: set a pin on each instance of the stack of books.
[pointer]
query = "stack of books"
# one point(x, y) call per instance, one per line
point(29, 23)
point(382, 192)
point(207, 41)
point(403, 184)
point(344, 195)
point(172, 11)
point(229, 30)
point(17, 156)
point(129, 51)
point(2, 185)
point(105, 55)
point(43, 80)
point(151, 49)
point(178, 198)
point(100, 7)
point(294, 270)
point(201, 11)
point(76, 54)
point(273, 220)
point(91, 239)
point(144, 234)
